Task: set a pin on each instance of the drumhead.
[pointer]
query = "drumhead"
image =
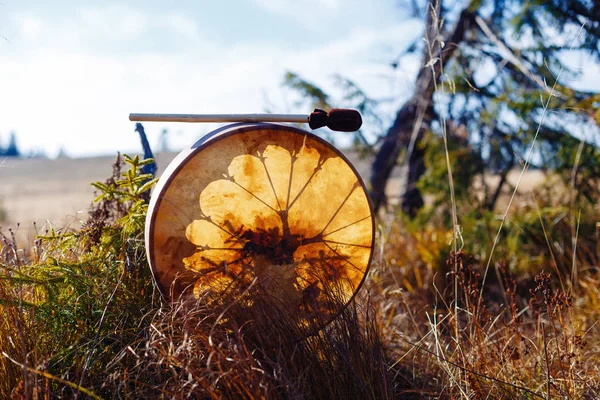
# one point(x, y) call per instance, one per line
point(268, 207)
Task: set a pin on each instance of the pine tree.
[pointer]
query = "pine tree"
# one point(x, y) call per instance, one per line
point(12, 150)
point(522, 43)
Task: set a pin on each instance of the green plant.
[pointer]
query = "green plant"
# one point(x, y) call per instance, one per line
point(66, 304)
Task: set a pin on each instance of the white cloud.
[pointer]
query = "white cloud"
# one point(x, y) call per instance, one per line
point(30, 27)
point(330, 17)
point(300, 8)
point(71, 81)
point(112, 22)
point(61, 92)
point(111, 28)
point(181, 24)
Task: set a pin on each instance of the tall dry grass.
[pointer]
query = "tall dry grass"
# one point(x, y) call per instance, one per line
point(81, 317)
point(458, 332)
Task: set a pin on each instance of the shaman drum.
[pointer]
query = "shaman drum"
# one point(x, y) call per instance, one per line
point(261, 207)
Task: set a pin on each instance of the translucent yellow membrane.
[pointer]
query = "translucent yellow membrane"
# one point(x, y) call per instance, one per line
point(269, 208)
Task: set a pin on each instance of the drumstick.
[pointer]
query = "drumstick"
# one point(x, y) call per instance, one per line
point(337, 119)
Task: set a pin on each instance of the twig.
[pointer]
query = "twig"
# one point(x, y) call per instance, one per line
point(469, 370)
point(511, 57)
point(562, 286)
point(456, 235)
point(574, 264)
point(548, 377)
point(572, 196)
point(55, 378)
point(514, 193)
point(96, 337)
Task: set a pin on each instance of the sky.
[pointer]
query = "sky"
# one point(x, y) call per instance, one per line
point(71, 71)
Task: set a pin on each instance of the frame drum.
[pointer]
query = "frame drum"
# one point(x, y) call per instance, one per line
point(263, 208)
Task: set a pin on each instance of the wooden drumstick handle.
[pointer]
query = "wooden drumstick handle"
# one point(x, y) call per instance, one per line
point(219, 117)
point(338, 119)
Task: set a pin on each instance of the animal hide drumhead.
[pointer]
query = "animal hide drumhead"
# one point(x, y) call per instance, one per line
point(261, 208)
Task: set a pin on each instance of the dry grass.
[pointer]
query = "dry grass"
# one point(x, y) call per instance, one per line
point(418, 330)
point(527, 339)
point(81, 316)
point(193, 353)
point(458, 332)
point(228, 348)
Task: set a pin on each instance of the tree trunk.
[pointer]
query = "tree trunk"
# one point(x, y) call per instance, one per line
point(503, 178)
point(414, 116)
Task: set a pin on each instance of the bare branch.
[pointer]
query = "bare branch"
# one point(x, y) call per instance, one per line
point(511, 56)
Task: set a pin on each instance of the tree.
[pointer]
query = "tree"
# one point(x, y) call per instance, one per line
point(522, 42)
point(12, 150)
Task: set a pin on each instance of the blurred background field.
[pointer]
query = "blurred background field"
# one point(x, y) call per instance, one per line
point(57, 193)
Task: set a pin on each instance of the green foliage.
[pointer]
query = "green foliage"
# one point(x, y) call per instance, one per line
point(84, 292)
point(525, 93)
point(307, 90)
point(579, 165)
point(465, 165)
point(504, 87)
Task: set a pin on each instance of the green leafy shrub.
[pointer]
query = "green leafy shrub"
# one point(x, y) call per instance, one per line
point(72, 306)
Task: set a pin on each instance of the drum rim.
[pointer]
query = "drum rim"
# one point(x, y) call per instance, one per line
point(244, 128)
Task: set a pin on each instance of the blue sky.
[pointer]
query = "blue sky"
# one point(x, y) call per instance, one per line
point(72, 70)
